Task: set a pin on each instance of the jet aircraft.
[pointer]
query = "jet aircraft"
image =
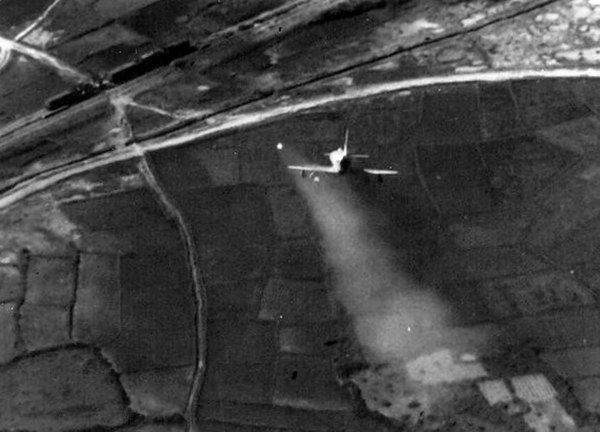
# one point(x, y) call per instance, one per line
point(342, 163)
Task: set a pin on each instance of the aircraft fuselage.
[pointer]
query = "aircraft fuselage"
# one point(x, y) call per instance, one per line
point(339, 161)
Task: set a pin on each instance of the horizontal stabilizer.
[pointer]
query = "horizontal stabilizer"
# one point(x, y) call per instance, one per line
point(358, 156)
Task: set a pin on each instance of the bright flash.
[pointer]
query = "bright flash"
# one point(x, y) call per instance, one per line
point(279, 146)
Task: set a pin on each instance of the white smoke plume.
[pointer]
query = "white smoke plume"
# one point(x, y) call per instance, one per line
point(389, 310)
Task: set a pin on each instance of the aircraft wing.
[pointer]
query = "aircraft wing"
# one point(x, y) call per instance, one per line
point(358, 156)
point(313, 168)
point(380, 171)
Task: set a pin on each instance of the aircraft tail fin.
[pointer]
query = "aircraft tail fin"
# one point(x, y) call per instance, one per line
point(346, 143)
